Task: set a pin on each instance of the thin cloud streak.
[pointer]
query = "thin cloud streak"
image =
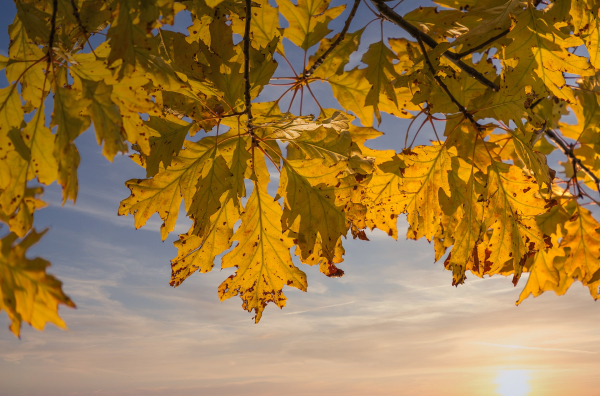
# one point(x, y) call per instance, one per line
point(535, 348)
point(319, 308)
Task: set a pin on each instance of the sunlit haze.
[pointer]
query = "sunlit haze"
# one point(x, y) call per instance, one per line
point(512, 383)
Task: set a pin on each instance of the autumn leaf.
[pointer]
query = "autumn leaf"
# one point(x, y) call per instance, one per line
point(262, 257)
point(28, 294)
point(214, 113)
point(581, 242)
point(308, 20)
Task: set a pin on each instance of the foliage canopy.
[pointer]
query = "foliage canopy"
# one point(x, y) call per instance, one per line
point(495, 79)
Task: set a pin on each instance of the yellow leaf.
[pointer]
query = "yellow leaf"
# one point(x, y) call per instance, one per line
point(587, 26)
point(547, 273)
point(350, 89)
point(420, 185)
point(68, 116)
point(542, 56)
point(385, 200)
point(106, 117)
point(212, 184)
point(335, 62)
point(28, 294)
point(581, 243)
point(511, 198)
point(381, 74)
point(262, 256)
point(162, 193)
point(40, 141)
point(197, 253)
point(22, 221)
point(534, 161)
point(129, 31)
point(308, 20)
point(11, 112)
point(172, 132)
point(308, 210)
point(264, 26)
point(467, 230)
point(213, 3)
point(24, 54)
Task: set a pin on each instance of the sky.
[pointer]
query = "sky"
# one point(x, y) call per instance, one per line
point(392, 325)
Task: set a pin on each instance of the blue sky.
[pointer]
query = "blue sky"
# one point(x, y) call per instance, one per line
point(392, 325)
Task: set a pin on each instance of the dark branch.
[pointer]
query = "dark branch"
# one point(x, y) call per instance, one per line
point(52, 29)
point(78, 18)
point(247, 96)
point(437, 78)
point(568, 151)
point(85, 32)
point(341, 37)
point(395, 18)
point(482, 45)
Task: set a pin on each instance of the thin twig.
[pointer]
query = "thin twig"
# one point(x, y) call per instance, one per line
point(247, 96)
point(437, 78)
point(417, 133)
point(269, 157)
point(370, 9)
point(429, 117)
point(568, 151)
point(395, 18)
point(290, 65)
point(292, 101)
point(315, 98)
point(83, 29)
point(410, 126)
point(461, 55)
point(341, 36)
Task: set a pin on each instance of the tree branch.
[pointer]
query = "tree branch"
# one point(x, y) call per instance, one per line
point(247, 96)
point(437, 78)
point(341, 37)
point(568, 151)
point(395, 18)
point(52, 29)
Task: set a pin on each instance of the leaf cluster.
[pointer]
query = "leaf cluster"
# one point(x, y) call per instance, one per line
point(491, 81)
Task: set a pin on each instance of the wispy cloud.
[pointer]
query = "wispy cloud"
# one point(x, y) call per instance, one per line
point(535, 348)
point(319, 308)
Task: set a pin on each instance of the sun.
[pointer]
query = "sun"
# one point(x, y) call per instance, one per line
point(512, 383)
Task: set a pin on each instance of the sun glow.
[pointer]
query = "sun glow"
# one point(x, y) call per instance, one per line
point(512, 383)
